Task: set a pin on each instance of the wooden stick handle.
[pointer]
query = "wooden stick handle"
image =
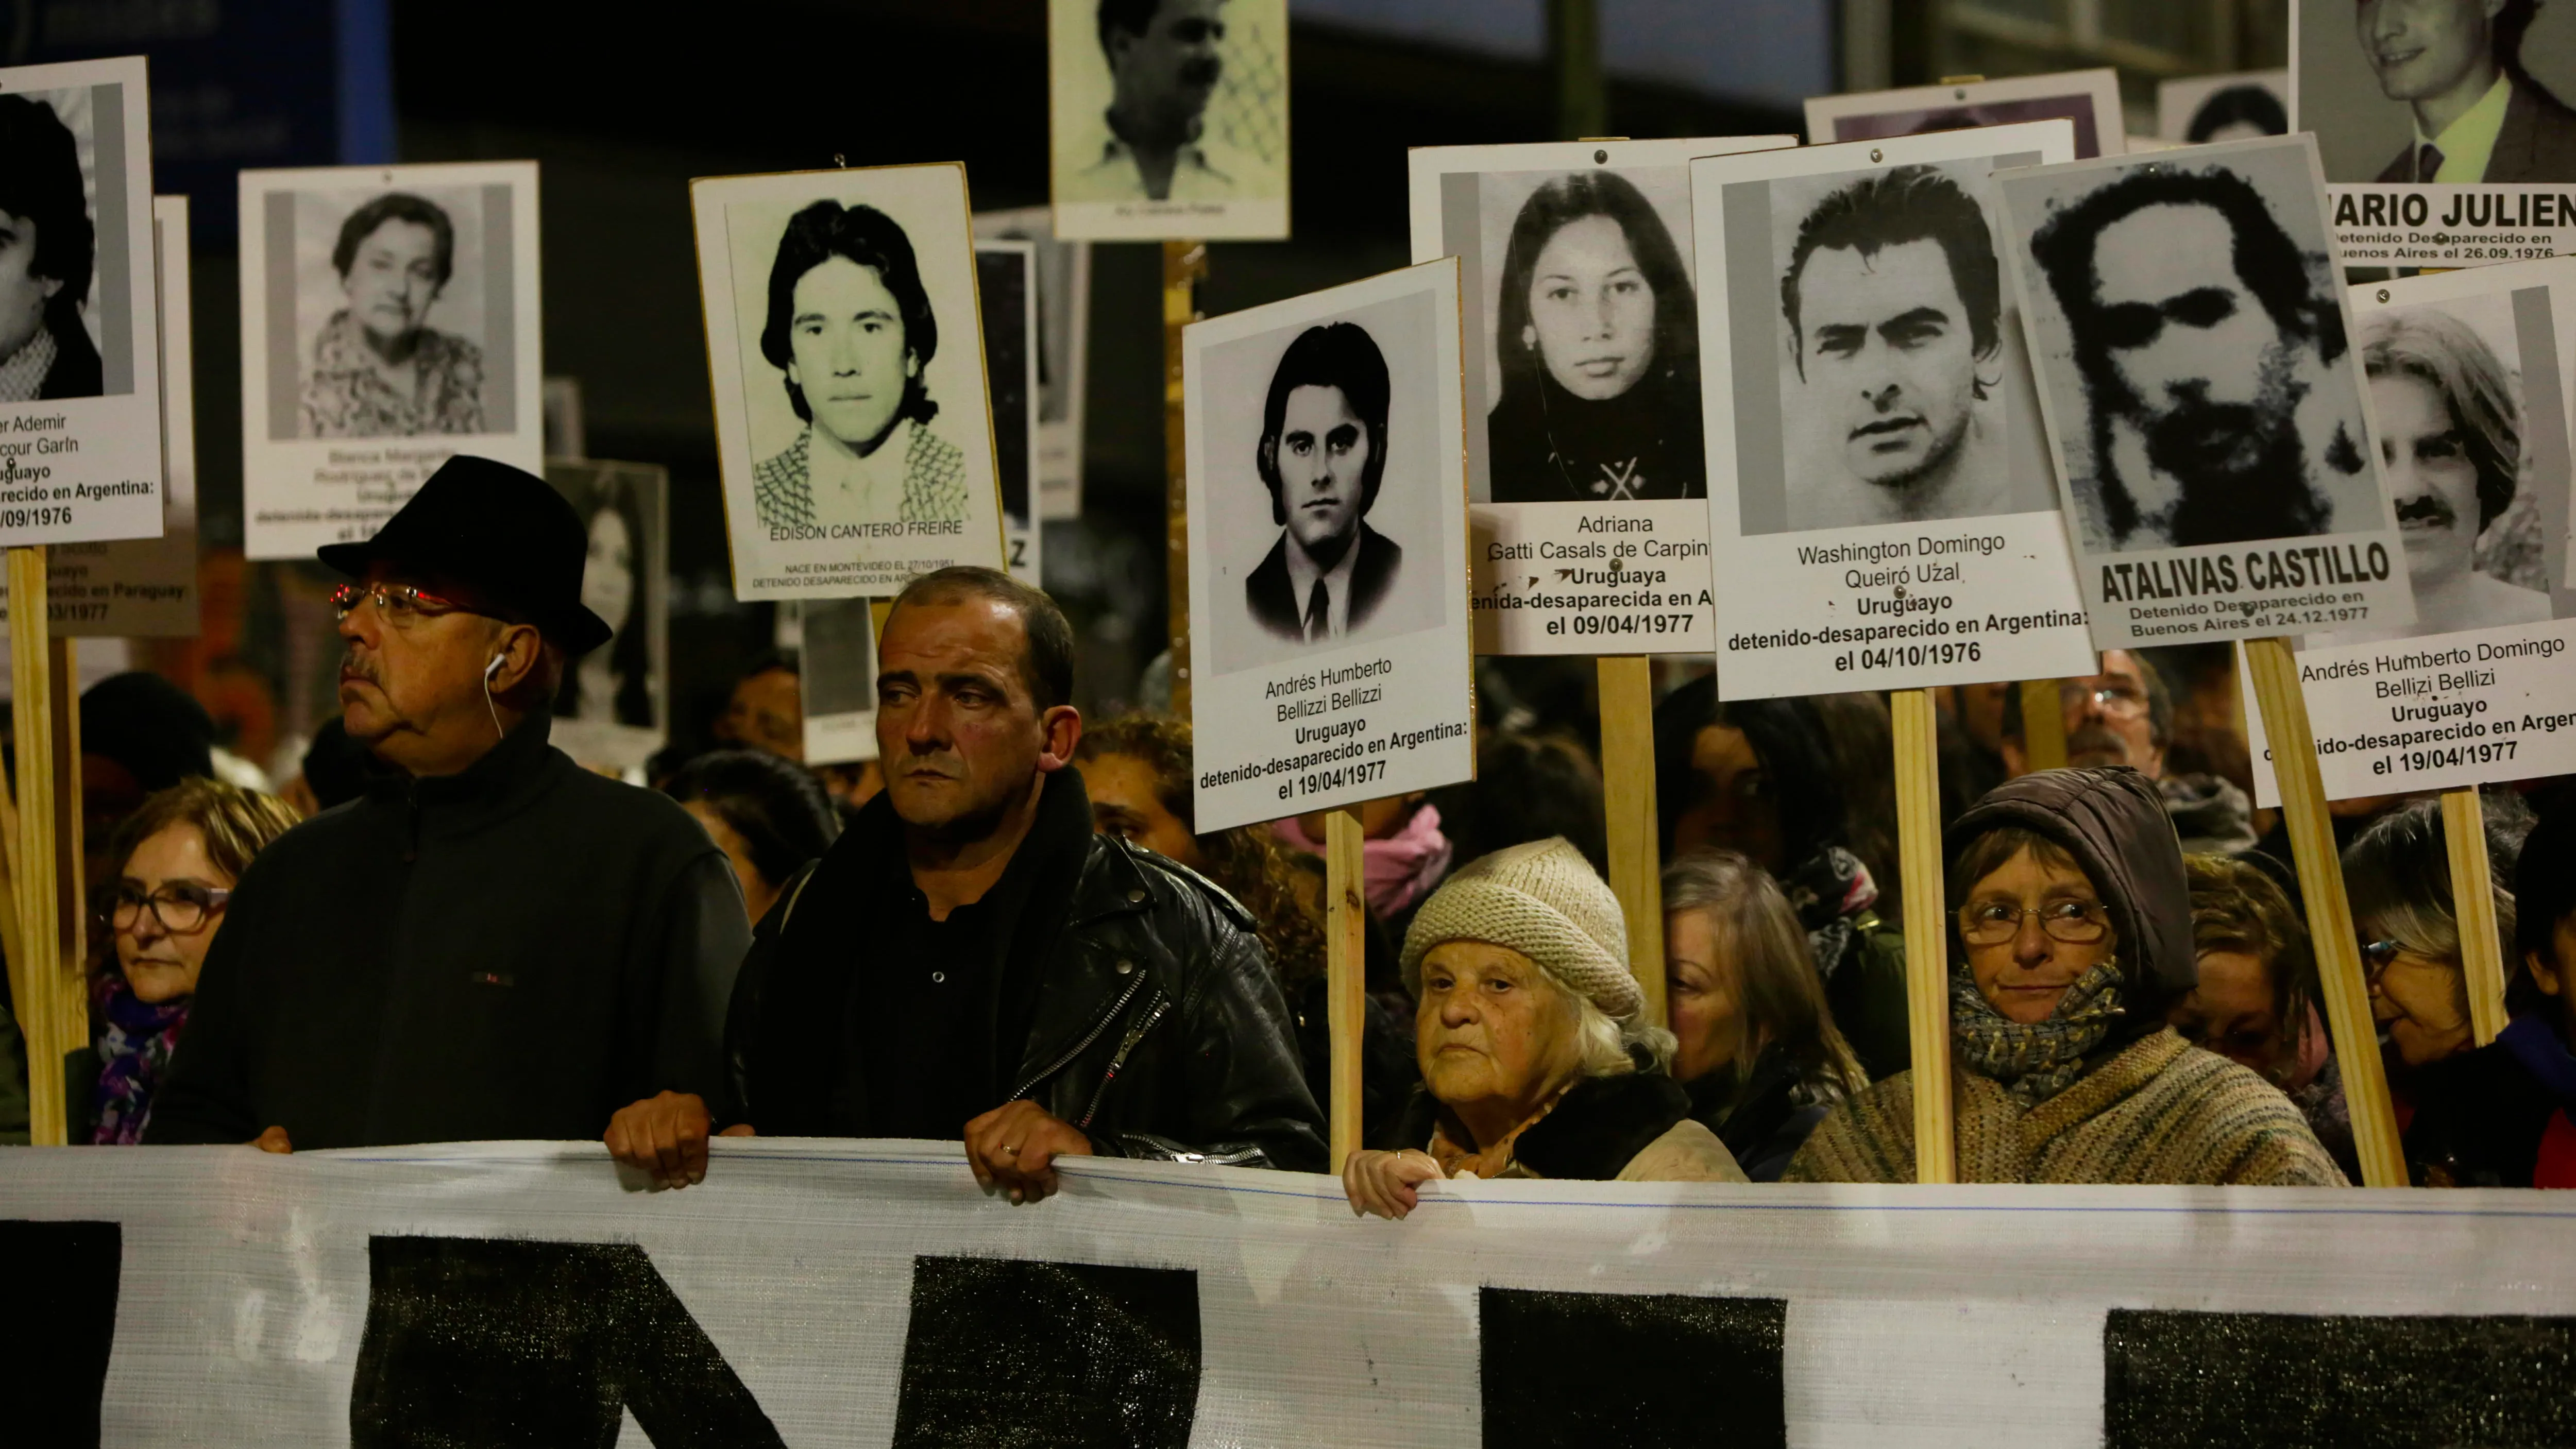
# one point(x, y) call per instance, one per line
point(1628, 795)
point(1345, 972)
point(2043, 725)
point(2312, 844)
point(1184, 263)
point(1927, 936)
point(2482, 947)
point(41, 1017)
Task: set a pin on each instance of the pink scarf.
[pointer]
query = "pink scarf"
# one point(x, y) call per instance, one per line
point(1400, 869)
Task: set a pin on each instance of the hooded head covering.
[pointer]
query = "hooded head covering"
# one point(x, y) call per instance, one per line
point(2112, 820)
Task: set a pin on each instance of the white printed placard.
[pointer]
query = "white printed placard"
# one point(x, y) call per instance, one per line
point(1006, 281)
point(80, 360)
point(2443, 129)
point(2087, 99)
point(1064, 350)
point(143, 587)
point(1170, 120)
point(853, 426)
point(2204, 407)
point(1880, 510)
point(614, 707)
point(2469, 376)
point(836, 682)
point(390, 320)
point(1585, 473)
point(1329, 654)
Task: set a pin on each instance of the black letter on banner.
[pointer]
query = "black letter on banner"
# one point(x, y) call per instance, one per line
point(59, 1327)
point(480, 1341)
point(1063, 1354)
point(2218, 1380)
point(1638, 1370)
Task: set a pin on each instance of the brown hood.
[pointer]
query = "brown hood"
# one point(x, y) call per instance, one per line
point(2113, 822)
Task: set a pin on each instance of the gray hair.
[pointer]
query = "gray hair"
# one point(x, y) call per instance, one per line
point(2397, 874)
point(1777, 988)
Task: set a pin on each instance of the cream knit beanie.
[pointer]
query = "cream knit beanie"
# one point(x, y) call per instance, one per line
point(1544, 901)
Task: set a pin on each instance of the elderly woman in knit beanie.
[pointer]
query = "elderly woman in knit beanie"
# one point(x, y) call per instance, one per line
point(1533, 1041)
point(2071, 926)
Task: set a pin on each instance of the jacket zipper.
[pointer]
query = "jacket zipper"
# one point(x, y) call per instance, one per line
point(1084, 1045)
point(1135, 1034)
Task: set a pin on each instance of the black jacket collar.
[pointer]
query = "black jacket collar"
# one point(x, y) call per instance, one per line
point(509, 775)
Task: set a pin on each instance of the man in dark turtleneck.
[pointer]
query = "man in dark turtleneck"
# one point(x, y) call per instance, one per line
point(492, 942)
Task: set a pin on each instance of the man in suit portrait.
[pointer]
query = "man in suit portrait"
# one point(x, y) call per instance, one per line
point(2479, 116)
point(1322, 454)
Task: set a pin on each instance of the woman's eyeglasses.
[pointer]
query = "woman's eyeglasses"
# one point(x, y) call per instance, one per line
point(1991, 923)
point(181, 908)
point(2376, 957)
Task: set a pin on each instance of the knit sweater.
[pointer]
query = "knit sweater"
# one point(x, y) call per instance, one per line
point(2160, 1111)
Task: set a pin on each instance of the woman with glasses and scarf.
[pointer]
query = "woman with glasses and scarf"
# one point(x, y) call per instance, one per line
point(178, 858)
point(2071, 927)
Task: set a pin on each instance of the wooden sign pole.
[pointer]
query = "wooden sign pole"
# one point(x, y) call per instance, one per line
point(1628, 798)
point(2043, 725)
point(2482, 947)
point(1927, 934)
point(2312, 844)
point(1184, 265)
point(52, 1014)
point(1345, 972)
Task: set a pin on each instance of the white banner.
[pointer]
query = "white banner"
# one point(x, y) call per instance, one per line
point(841, 1292)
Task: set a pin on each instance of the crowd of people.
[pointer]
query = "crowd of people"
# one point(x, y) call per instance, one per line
point(1009, 930)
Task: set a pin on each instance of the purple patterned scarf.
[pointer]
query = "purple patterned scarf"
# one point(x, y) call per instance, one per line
point(134, 1045)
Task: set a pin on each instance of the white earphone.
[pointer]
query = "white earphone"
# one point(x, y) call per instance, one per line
point(488, 671)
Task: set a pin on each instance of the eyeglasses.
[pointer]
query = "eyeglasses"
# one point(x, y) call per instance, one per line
point(180, 907)
point(400, 605)
point(2124, 701)
point(1991, 923)
point(2376, 957)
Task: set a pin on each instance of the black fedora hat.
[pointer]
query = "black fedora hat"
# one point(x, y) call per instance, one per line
point(499, 531)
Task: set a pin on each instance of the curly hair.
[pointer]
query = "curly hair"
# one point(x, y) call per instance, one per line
point(1252, 864)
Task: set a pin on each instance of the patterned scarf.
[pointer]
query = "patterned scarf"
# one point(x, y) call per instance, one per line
point(2035, 1061)
point(1829, 892)
point(134, 1055)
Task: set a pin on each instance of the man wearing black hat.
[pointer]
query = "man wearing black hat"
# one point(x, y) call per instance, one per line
point(492, 942)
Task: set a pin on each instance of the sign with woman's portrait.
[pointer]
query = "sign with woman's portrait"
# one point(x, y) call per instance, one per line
point(853, 421)
point(1327, 509)
point(1881, 509)
point(612, 708)
point(80, 377)
point(390, 320)
point(1582, 387)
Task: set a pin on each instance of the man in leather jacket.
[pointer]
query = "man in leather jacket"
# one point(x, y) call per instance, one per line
point(971, 960)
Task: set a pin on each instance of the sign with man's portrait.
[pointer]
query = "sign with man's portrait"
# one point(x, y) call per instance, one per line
point(613, 707)
point(1582, 386)
point(837, 681)
point(390, 319)
point(1006, 278)
point(2469, 375)
point(2204, 404)
point(2444, 127)
point(2089, 99)
point(1063, 350)
point(1169, 118)
point(844, 335)
point(144, 587)
point(1327, 498)
point(1880, 509)
point(80, 373)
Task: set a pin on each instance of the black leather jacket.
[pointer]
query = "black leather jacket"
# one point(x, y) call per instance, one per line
point(1159, 1029)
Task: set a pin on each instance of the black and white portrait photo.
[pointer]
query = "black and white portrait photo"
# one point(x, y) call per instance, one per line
point(49, 337)
point(1005, 274)
point(2089, 98)
point(1169, 112)
point(2457, 92)
point(852, 412)
point(1892, 329)
point(1593, 334)
point(381, 304)
point(2195, 345)
point(1324, 518)
point(1064, 347)
point(622, 507)
point(2237, 107)
point(836, 680)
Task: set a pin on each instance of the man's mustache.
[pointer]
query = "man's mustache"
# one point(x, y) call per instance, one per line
point(354, 665)
point(2430, 508)
point(2095, 740)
